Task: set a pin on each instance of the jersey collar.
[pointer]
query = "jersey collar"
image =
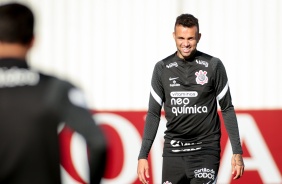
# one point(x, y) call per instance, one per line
point(183, 61)
point(12, 62)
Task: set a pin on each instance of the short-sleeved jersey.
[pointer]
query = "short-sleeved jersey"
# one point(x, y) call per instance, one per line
point(32, 105)
point(189, 91)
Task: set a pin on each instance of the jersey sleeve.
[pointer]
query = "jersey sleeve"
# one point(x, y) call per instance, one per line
point(223, 96)
point(72, 111)
point(154, 112)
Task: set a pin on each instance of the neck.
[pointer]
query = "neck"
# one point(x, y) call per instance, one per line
point(13, 50)
point(186, 58)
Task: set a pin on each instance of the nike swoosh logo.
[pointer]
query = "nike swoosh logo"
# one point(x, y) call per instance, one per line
point(173, 78)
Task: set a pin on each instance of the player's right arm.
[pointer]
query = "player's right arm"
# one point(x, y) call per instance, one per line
point(143, 170)
point(151, 123)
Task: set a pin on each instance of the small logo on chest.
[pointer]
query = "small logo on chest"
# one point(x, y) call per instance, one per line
point(201, 77)
point(174, 83)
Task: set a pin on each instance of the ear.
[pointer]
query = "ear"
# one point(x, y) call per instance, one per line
point(31, 42)
point(199, 36)
point(173, 34)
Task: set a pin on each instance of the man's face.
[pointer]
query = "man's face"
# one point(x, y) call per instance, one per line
point(186, 39)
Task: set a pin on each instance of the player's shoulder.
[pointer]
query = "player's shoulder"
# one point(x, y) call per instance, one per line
point(206, 57)
point(211, 60)
point(56, 83)
point(167, 61)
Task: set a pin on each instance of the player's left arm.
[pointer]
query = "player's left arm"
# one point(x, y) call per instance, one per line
point(78, 117)
point(230, 120)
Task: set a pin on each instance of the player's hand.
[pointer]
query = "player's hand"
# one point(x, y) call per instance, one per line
point(143, 171)
point(238, 166)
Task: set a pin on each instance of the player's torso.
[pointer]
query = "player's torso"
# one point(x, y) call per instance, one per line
point(189, 95)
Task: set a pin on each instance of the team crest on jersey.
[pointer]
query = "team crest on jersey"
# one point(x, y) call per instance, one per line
point(201, 77)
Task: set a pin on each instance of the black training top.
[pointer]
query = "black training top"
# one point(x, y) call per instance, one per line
point(32, 105)
point(189, 91)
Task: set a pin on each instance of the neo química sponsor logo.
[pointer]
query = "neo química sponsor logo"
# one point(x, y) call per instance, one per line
point(180, 103)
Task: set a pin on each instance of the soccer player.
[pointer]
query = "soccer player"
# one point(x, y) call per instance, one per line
point(32, 105)
point(189, 83)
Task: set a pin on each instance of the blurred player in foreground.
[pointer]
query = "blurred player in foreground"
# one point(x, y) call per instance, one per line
point(32, 105)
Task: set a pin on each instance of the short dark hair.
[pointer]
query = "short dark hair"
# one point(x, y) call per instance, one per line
point(187, 20)
point(16, 23)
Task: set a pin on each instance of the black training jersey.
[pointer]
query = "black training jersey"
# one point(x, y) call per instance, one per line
point(189, 90)
point(32, 105)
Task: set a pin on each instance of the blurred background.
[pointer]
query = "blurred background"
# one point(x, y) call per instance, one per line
point(109, 48)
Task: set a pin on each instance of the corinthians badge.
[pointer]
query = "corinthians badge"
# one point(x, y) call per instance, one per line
point(201, 77)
